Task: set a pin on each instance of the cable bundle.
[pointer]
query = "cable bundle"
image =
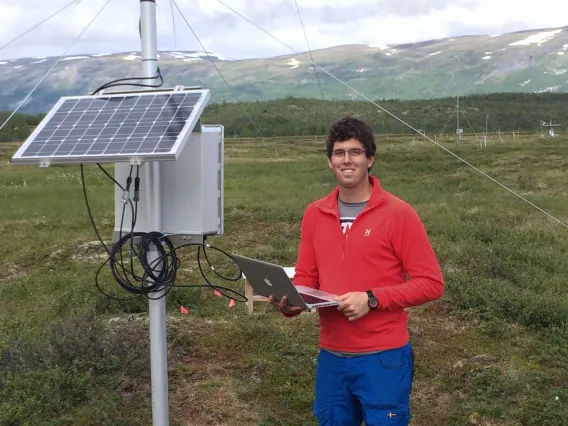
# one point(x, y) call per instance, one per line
point(159, 274)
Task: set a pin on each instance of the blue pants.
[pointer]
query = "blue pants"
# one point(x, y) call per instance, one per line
point(374, 388)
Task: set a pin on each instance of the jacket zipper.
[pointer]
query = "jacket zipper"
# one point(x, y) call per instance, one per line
point(345, 242)
point(347, 234)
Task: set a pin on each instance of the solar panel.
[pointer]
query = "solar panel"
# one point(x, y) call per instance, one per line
point(115, 128)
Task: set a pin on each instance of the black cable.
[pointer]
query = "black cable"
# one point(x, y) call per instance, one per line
point(89, 210)
point(99, 237)
point(161, 273)
point(116, 83)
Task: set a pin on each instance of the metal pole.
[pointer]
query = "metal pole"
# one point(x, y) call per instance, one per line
point(486, 132)
point(157, 308)
point(458, 134)
point(458, 120)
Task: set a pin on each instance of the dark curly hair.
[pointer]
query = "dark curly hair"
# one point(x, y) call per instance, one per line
point(351, 128)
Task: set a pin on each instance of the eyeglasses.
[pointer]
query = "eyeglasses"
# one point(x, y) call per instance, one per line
point(354, 152)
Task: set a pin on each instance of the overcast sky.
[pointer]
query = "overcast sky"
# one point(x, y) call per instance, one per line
point(328, 23)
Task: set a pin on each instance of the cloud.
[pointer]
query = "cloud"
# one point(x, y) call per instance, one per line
point(381, 9)
point(328, 23)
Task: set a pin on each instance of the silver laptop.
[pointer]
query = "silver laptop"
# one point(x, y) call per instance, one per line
point(269, 279)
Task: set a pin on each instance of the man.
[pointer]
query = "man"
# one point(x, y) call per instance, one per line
point(370, 248)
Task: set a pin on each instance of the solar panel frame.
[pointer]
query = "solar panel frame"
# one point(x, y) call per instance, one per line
point(61, 122)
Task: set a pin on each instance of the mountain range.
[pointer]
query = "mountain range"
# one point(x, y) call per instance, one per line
point(526, 61)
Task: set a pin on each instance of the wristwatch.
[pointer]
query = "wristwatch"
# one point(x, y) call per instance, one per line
point(373, 302)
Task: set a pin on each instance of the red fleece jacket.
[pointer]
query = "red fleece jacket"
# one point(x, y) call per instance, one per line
point(385, 250)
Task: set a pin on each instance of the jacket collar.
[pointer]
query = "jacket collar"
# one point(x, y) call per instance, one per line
point(329, 203)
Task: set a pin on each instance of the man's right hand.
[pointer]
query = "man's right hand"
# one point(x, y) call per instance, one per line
point(284, 307)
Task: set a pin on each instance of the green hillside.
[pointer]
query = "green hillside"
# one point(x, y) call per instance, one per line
point(290, 116)
point(19, 127)
point(295, 117)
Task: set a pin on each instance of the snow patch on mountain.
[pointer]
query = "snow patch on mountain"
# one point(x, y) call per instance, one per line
point(548, 89)
point(389, 51)
point(539, 38)
point(73, 58)
point(294, 63)
point(132, 57)
point(380, 46)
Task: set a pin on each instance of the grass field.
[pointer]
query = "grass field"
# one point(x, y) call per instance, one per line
point(493, 351)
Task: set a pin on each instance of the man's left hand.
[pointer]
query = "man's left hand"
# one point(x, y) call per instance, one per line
point(354, 305)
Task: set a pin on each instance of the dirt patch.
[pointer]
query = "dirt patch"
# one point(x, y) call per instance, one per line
point(479, 420)
point(11, 272)
point(91, 251)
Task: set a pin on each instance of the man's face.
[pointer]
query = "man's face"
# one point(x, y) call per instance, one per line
point(349, 163)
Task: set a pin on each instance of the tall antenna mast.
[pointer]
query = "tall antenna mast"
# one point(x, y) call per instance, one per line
point(458, 130)
point(485, 134)
point(157, 303)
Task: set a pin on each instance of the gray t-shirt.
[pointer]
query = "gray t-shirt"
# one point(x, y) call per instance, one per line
point(347, 214)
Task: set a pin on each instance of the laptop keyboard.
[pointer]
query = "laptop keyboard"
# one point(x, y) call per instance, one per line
point(313, 299)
